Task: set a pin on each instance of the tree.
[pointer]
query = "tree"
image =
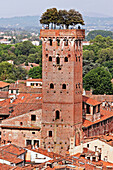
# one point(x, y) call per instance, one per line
point(89, 65)
point(61, 17)
point(50, 16)
point(99, 80)
point(92, 34)
point(9, 71)
point(105, 55)
point(35, 72)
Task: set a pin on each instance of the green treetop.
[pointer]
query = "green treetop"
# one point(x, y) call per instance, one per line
point(60, 18)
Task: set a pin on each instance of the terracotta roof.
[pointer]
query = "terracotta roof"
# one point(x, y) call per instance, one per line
point(46, 153)
point(13, 149)
point(107, 139)
point(3, 84)
point(24, 89)
point(3, 94)
point(24, 103)
point(13, 86)
point(105, 114)
point(10, 157)
point(5, 167)
point(90, 101)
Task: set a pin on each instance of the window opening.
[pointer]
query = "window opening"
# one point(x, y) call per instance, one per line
point(11, 91)
point(50, 42)
point(79, 85)
point(50, 133)
point(21, 123)
point(36, 143)
point(33, 117)
point(66, 42)
point(28, 142)
point(63, 86)
point(58, 60)
point(58, 42)
point(50, 58)
point(76, 58)
point(51, 86)
point(79, 58)
point(66, 59)
point(57, 114)
point(79, 43)
point(46, 55)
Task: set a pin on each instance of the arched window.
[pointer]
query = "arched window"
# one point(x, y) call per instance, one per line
point(57, 114)
point(63, 86)
point(50, 58)
point(58, 60)
point(50, 42)
point(66, 59)
point(51, 86)
point(58, 42)
point(66, 42)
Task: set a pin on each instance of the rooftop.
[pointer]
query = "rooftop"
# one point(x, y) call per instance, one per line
point(105, 114)
point(3, 84)
point(13, 149)
point(90, 101)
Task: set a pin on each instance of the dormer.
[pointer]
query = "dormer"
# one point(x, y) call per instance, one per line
point(91, 109)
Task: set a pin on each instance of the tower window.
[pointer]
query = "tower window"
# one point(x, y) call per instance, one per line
point(50, 42)
point(79, 43)
point(79, 58)
point(76, 43)
point(57, 114)
point(66, 59)
point(79, 85)
point(66, 42)
point(63, 86)
point(76, 58)
point(50, 133)
point(58, 42)
point(50, 58)
point(51, 86)
point(46, 55)
point(58, 60)
point(33, 117)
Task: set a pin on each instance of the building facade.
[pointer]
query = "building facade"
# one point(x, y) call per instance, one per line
point(62, 88)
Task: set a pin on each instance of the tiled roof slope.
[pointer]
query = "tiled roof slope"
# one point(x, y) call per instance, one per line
point(13, 149)
point(90, 101)
point(23, 104)
point(3, 84)
point(105, 114)
point(9, 157)
point(3, 94)
point(24, 89)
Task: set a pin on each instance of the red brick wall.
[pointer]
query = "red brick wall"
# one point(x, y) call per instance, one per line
point(68, 101)
point(19, 136)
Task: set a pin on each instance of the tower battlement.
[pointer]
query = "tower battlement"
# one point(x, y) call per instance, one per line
point(68, 33)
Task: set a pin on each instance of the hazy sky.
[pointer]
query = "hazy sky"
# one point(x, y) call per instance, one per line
point(10, 8)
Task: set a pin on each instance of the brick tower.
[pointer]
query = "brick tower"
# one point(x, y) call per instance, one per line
point(62, 88)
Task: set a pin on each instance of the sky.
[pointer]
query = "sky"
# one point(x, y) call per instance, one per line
point(11, 8)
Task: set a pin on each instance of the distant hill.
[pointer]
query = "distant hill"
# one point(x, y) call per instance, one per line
point(32, 22)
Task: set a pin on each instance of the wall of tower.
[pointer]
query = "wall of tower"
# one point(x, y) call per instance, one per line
point(62, 87)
